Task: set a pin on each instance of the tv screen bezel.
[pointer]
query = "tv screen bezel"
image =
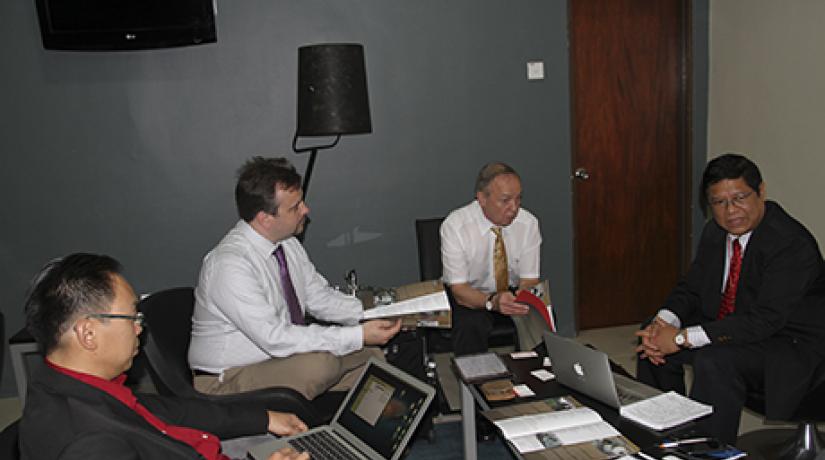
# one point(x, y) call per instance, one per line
point(203, 32)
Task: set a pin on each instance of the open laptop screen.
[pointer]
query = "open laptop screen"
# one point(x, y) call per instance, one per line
point(381, 410)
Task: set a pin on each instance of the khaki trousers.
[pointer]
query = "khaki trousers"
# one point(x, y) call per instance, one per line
point(307, 373)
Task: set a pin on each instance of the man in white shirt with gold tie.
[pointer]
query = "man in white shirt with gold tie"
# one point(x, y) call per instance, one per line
point(488, 247)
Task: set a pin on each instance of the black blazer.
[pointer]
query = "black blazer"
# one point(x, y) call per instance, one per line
point(68, 419)
point(780, 300)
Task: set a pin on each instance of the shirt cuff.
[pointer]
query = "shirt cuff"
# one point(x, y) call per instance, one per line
point(670, 318)
point(353, 339)
point(697, 337)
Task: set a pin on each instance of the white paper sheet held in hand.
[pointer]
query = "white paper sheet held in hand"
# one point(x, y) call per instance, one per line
point(436, 301)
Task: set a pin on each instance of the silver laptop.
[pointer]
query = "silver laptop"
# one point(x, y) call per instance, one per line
point(588, 371)
point(375, 421)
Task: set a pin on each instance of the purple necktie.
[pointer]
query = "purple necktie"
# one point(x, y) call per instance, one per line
point(295, 312)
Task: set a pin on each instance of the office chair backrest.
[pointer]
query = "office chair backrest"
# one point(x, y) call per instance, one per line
point(427, 231)
point(168, 332)
point(2, 343)
point(428, 234)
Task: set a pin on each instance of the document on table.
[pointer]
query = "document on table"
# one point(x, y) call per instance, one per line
point(480, 367)
point(560, 428)
point(427, 303)
point(665, 411)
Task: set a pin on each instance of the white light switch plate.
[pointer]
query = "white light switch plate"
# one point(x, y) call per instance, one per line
point(535, 70)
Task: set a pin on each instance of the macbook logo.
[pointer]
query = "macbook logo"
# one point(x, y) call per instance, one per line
point(578, 369)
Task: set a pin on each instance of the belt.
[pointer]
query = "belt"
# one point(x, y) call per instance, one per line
point(202, 373)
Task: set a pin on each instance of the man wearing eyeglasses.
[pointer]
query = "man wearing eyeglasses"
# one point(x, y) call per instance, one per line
point(750, 313)
point(82, 313)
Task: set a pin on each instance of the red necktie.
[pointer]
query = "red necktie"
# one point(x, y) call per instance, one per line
point(295, 312)
point(729, 296)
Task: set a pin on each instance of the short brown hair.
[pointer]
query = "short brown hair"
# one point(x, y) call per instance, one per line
point(257, 181)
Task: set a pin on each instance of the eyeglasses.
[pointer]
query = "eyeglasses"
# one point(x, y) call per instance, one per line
point(737, 200)
point(137, 317)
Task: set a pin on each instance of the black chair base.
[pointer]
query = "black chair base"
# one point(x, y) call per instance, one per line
point(802, 443)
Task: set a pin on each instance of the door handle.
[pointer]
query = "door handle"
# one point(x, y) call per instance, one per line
point(581, 174)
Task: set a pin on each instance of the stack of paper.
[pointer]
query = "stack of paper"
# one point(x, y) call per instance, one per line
point(665, 411)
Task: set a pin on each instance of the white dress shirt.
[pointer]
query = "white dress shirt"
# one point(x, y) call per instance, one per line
point(467, 246)
point(241, 317)
point(696, 335)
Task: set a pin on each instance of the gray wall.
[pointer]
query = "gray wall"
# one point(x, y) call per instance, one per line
point(699, 136)
point(133, 154)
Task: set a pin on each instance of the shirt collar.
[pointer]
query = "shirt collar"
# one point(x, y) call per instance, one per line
point(258, 242)
point(114, 387)
point(743, 239)
point(482, 222)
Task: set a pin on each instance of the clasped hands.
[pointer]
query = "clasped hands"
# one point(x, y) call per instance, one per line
point(657, 341)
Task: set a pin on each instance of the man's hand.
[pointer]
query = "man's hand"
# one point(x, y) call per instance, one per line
point(657, 341)
point(505, 303)
point(285, 424)
point(380, 331)
point(288, 453)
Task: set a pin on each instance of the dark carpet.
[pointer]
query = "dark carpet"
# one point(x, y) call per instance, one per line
point(447, 445)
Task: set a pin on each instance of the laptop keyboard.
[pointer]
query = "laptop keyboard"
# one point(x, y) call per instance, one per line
point(322, 446)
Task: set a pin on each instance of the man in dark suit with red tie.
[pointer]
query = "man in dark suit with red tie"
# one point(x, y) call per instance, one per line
point(750, 313)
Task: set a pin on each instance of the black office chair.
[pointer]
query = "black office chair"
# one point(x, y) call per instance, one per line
point(10, 441)
point(2, 343)
point(807, 443)
point(167, 335)
point(427, 232)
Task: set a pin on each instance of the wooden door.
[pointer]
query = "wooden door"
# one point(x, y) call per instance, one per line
point(629, 64)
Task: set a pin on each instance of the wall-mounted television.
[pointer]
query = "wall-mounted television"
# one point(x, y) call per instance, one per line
point(88, 25)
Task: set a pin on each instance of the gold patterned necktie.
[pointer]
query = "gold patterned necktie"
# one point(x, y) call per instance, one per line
point(500, 261)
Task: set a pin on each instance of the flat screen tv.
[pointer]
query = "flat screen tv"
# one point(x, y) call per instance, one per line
point(87, 25)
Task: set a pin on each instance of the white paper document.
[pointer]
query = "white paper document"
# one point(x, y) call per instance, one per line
point(540, 431)
point(480, 367)
point(436, 301)
point(564, 437)
point(665, 411)
point(543, 374)
point(548, 421)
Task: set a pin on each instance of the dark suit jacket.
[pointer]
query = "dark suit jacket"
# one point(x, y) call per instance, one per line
point(68, 419)
point(780, 301)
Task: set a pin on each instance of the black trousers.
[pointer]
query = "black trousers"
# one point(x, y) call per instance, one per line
point(470, 330)
point(722, 377)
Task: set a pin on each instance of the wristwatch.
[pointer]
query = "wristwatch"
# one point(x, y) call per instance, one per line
point(489, 304)
point(681, 339)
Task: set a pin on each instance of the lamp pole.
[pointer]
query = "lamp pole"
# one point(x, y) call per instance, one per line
point(313, 151)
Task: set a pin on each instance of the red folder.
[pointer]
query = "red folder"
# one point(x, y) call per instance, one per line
point(527, 298)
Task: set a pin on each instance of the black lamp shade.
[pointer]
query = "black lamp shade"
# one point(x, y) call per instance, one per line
point(332, 90)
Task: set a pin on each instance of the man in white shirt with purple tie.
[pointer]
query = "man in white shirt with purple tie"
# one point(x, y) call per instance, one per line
point(254, 289)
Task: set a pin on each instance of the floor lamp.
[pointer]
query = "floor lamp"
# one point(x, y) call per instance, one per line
point(332, 96)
